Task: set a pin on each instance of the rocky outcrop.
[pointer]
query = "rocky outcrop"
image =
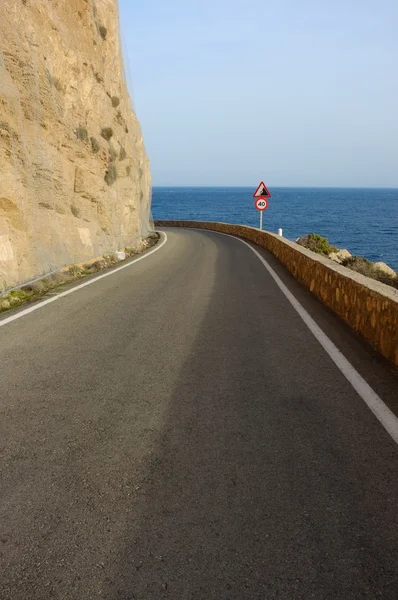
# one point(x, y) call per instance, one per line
point(385, 269)
point(339, 256)
point(74, 175)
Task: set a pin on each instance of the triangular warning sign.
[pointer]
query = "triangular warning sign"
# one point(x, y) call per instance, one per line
point(262, 191)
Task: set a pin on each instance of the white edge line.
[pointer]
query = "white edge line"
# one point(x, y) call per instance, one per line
point(31, 309)
point(381, 411)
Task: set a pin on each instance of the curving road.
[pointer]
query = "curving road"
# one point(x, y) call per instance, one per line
point(175, 430)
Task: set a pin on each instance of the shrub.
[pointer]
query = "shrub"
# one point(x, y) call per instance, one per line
point(97, 265)
point(20, 295)
point(95, 145)
point(75, 211)
point(360, 265)
point(107, 133)
point(111, 174)
point(115, 101)
point(367, 268)
point(75, 271)
point(38, 287)
point(316, 243)
point(82, 134)
point(103, 31)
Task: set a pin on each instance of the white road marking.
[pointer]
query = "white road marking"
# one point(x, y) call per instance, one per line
point(369, 396)
point(31, 309)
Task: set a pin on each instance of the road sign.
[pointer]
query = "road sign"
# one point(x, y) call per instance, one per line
point(261, 203)
point(262, 191)
point(261, 194)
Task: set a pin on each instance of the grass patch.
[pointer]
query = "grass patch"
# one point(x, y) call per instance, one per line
point(55, 283)
point(74, 270)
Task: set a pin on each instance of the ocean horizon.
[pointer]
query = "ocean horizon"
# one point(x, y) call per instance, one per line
point(362, 220)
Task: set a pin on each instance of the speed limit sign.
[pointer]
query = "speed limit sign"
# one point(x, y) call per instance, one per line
point(261, 203)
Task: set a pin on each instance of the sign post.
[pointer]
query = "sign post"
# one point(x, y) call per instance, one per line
point(261, 195)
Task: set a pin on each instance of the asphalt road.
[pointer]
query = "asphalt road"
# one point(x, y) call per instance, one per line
point(175, 431)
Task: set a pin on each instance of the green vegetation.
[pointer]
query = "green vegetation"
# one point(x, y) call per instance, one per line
point(317, 243)
point(107, 133)
point(150, 241)
point(82, 134)
point(367, 268)
point(53, 284)
point(103, 31)
point(361, 265)
point(33, 291)
point(95, 145)
point(111, 174)
point(75, 211)
point(74, 270)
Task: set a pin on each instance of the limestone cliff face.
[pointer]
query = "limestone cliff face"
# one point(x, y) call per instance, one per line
point(74, 175)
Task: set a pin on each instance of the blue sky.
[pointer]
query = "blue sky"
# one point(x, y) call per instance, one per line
point(230, 92)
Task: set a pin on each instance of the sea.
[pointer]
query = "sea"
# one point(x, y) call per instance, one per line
point(364, 221)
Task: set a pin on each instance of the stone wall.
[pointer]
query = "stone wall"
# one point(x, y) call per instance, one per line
point(369, 307)
point(74, 174)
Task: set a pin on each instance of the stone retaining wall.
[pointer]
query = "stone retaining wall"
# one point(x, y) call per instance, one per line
point(368, 306)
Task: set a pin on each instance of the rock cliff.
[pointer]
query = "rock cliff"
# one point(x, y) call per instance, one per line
point(74, 175)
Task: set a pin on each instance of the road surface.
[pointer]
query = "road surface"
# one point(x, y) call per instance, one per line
point(176, 431)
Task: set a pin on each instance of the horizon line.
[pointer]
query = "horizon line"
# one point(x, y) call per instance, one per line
point(337, 187)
